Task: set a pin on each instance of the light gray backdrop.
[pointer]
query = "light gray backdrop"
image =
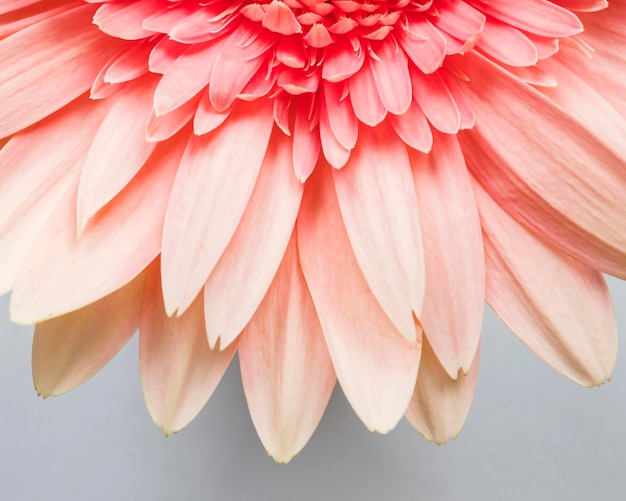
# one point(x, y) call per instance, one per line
point(531, 435)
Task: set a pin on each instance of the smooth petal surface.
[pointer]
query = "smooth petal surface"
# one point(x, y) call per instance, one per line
point(455, 271)
point(380, 211)
point(213, 185)
point(62, 273)
point(69, 349)
point(243, 274)
point(286, 370)
point(179, 371)
point(441, 404)
point(118, 151)
point(376, 366)
point(37, 167)
point(551, 190)
point(559, 307)
point(34, 62)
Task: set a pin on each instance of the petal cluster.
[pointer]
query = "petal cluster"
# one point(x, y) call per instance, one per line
point(330, 188)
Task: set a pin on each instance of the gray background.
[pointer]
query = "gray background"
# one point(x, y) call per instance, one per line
point(531, 435)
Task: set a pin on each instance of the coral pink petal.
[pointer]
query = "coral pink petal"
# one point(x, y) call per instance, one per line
point(375, 364)
point(306, 145)
point(440, 404)
point(343, 123)
point(455, 268)
point(178, 370)
point(413, 128)
point(214, 182)
point(391, 76)
point(336, 154)
point(507, 44)
point(70, 349)
point(556, 305)
point(424, 44)
point(380, 211)
point(34, 72)
point(286, 370)
point(36, 169)
point(434, 98)
point(366, 104)
point(551, 190)
point(188, 74)
point(160, 128)
point(62, 274)
point(119, 149)
point(342, 61)
point(245, 270)
point(124, 19)
point(540, 17)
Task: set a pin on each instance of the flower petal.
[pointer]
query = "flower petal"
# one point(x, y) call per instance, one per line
point(286, 370)
point(62, 274)
point(179, 371)
point(516, 151)
point(455, 264)
point(213, 185)
point(376, 366)
point(70, 349)
point(379, 207)
point(440, 404)
point(559, 307)
point(245, 270)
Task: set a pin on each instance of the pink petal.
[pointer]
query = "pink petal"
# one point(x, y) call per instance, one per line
point(34, 78)
point(550, 189)
point(62, 274)
point(376, 366)
point(286, 371)
point(380, 211)
point(455, 270)
point(343, 123)
point(178, 370)
point(440, 404)
point(245, 270)
point(391, 75)
point(366, 104)
point(70, 349)
point(559, 307)
point(119, 149)
point(37, 166)
point(213, 184)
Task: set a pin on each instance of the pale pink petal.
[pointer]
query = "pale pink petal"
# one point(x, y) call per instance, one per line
point(556, 305)
point(61, 274)
point(37, 167)
point(70, 349)
point(453, 252)
point(34, 78)
point(179, 371)
point(286, 370)
point(245, 270)
point(119, 149)
point(440, 404)
point(379, 207)
point(551, 190)
point(376, 366)
point(213, 185)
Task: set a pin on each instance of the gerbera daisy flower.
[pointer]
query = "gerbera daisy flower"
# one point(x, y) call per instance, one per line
point(329, 187)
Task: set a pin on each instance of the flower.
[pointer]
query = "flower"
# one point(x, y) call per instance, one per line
point(330, 187)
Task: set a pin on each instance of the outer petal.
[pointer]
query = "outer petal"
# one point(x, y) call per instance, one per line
point(440, 404)
point(70, 349)
point(378, 204)
point(375, 365)
point(455, 264)
point(286, 370)
point(243, 274)
point(179, 371)
point(550, 188)
point(37, 166)
point(62, 274)
point(34, 76)
point(213, 186)
point(559, 307)
point(118, 151)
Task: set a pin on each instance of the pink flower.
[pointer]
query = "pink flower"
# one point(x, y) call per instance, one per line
point(328, 187)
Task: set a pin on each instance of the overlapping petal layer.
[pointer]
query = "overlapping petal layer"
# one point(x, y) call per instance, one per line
point(331, 187)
